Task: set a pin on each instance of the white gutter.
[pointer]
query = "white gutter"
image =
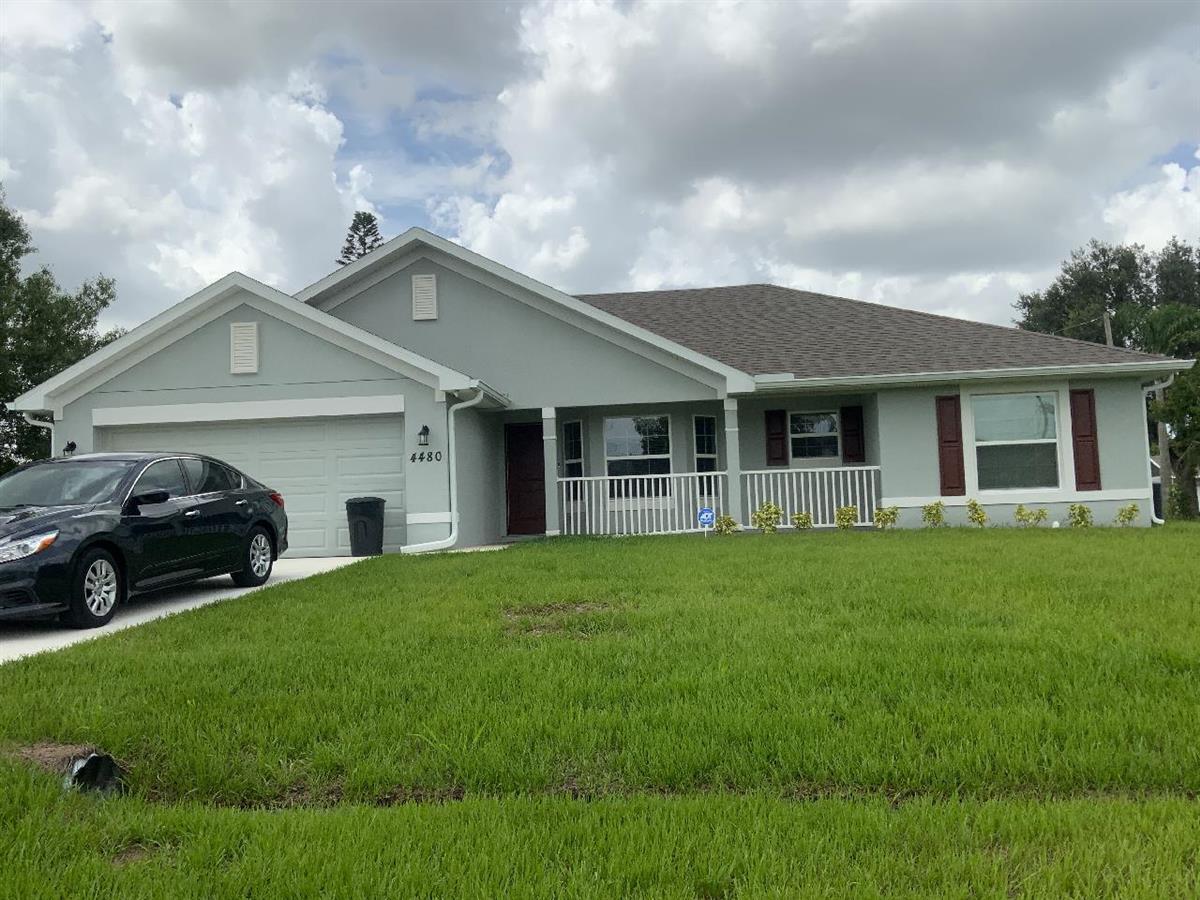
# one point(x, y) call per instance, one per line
point(40, 423)
point(451, 539)
point(1156, 387)
point(785, 381)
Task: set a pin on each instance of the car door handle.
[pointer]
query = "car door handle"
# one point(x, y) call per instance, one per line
point(191, 514)
point(241, 502)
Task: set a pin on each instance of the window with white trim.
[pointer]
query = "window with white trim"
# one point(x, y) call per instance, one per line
point(637, 445)
point(1016, 440)
point(704, 432)
point(572, 449)
point(815, 435)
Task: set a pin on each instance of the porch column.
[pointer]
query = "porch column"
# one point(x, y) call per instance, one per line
point(733, 463)
point(550, 455)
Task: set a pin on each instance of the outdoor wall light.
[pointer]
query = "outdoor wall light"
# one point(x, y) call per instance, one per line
point(423, 436)
point(69, 448)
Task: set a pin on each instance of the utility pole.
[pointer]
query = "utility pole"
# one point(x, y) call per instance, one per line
point(1108, 329)
point(1165, 475)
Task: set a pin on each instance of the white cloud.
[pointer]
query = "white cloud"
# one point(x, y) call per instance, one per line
point(941, 156)
point(1153, 213)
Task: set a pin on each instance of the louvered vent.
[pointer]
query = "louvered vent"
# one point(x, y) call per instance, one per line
point(424, 294)
point(243, 348)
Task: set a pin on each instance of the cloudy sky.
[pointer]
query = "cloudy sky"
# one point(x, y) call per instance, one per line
point(938, 155)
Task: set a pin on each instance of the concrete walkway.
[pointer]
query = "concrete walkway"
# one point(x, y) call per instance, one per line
point(19, 639)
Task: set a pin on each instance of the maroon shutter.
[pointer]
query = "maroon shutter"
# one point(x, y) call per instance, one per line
point(777, 437)
point(950, 447)
point(854, 445)
point(1083, 435)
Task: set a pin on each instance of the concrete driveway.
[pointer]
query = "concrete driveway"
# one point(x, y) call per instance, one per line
point(19, 639)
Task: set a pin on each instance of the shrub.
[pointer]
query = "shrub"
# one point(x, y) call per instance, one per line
point(1127, 515)
point(934, 515)
point(1029, 518)
point(886, 516)
point(976, 514)
point(845, 517)
point(1079, 516)
point(802, 520)
point(766, 518)
point(725, 525)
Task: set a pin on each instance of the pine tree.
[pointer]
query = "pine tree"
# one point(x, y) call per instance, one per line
point(361, 239)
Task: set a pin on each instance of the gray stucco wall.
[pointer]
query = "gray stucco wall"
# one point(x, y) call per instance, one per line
point(908, 441)
point(535, 359)
point(480, 440)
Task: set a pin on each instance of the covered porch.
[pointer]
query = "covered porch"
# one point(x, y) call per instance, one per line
point(651, 469)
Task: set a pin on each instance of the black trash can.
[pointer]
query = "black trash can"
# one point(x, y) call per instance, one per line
point(365, 515)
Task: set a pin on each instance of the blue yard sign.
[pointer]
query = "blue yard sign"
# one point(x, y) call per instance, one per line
point(706, 517)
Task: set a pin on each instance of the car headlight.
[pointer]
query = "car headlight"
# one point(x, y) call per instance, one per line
point(22, 547)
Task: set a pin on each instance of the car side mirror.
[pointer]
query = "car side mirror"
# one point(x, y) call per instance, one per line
point(148, 499)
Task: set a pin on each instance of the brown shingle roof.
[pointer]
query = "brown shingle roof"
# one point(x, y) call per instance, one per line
point(767, 329)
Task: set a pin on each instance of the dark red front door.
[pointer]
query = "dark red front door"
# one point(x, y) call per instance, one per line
point(525, 480)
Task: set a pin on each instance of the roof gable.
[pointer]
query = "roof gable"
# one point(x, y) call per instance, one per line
point(210, 303)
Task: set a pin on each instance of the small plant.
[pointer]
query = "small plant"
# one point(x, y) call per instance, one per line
point(934, 515)
point(1029, 518)
point(802, 521)
point(886, 516)
point(846, 517)
point(1127, 515)
point(976, 514)
point(725, 525)
point(767, 517)
point(1079, 516)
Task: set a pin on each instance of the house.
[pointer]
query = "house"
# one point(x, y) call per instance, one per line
point(483, 405)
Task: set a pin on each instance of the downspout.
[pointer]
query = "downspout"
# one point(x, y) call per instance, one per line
point(1164, 458)
point(451, 461)
point(49, 426)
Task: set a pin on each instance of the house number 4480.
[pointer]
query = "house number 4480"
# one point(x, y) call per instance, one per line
point(426, 456)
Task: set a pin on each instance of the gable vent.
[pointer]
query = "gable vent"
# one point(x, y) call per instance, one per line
point(424, 294)
point(243, 348)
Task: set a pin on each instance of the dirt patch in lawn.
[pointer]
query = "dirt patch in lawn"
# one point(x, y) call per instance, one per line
point(573, 620)
point(50, 756)
point(131, 854)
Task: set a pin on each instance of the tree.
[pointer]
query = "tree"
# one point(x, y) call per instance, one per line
point(361, 239)
point(1153, 300)
point(43, 330)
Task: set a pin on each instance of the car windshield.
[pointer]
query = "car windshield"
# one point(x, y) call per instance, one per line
point(63, 484)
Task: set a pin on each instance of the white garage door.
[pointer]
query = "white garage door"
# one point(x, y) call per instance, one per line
point(317, 464)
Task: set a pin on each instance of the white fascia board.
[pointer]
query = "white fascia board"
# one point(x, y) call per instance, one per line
point(202, 307)
point(773, 383)
point(246, 410)
point(736, 379)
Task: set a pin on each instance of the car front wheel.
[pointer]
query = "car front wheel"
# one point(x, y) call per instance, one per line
point(257, 560)
point(96, 590)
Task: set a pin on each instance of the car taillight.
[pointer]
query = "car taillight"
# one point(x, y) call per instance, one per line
point(276, 498)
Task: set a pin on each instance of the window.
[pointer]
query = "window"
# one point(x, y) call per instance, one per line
point(243, 348)
point(572, 449)
point(815, 435)
point(208, 477)
point(1016, 441)
point(164, 475)
point(637, 445)
point(704, 429)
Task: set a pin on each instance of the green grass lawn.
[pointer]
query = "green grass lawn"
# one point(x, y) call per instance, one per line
point(963, 712)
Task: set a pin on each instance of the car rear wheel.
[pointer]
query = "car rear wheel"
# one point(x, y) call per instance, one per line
point(257, 560)
point(96, 590)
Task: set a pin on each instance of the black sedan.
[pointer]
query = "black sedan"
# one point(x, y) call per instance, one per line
point(78, 535)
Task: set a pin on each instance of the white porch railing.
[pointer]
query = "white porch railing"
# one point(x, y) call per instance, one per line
point(638, 504)
point(816, 491)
